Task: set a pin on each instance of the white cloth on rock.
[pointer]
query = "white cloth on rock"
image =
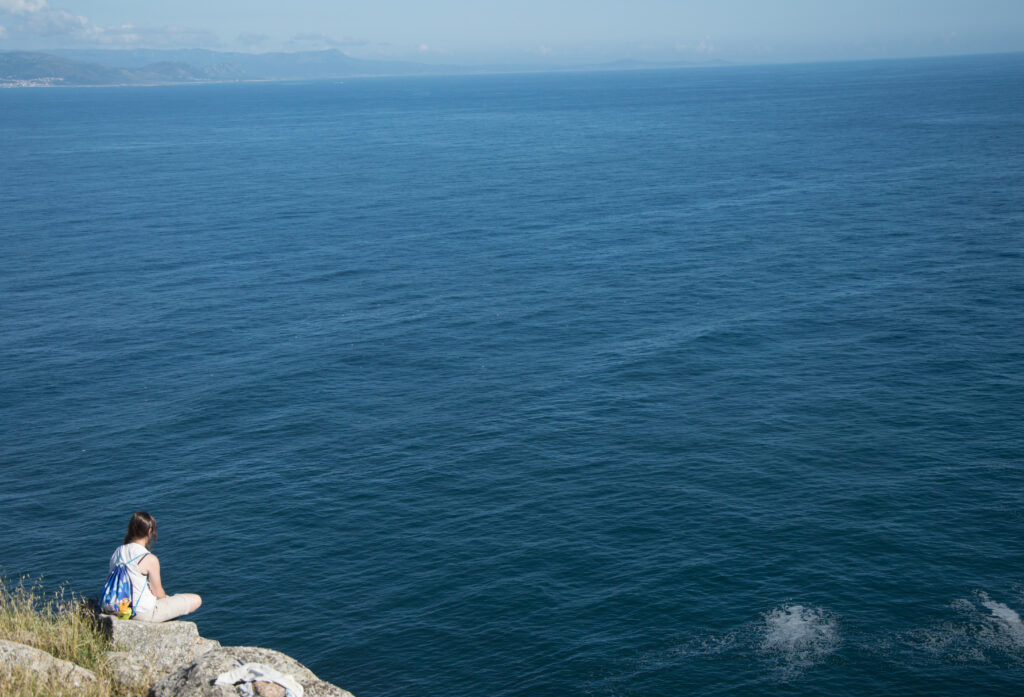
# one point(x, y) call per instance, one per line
point(248, 673)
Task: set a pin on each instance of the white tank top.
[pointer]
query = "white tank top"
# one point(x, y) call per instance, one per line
point(143, 599)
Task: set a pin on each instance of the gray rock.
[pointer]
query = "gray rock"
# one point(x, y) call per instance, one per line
point(196, 679)
point(144, 652)
point(129, 669)
point(19, 656)
point(205, 645)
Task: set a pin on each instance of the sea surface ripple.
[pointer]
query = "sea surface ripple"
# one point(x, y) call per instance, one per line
point(639, 383)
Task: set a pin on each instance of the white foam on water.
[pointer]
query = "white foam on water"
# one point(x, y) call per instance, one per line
point(944, 643)
point(1006, 620)
point(792, 638)
point(701, 646)
point(986, 632)
point(962, 605)
point(797, 637)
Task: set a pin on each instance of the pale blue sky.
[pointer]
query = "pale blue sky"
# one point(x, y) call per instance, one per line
point(471, 31)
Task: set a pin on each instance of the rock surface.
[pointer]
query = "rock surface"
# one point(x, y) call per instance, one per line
point(197, 678)
point(20, 656)
point(169, 659)
point(144, 652)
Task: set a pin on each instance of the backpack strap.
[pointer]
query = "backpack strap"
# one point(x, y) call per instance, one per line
point(134, 559)
point(140, 595)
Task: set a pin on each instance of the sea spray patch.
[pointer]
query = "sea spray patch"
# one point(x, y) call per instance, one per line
point(1006, 621)
point(796, 638)
point(984, 630)
point(790, 639)
point(700, 646)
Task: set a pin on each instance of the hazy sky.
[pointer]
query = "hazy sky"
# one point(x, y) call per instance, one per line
point(467, 31)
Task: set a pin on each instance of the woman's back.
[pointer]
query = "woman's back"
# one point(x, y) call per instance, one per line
point(149, 599)
point(130, 554)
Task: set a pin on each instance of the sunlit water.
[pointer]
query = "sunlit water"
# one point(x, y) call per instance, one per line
point(654, 383)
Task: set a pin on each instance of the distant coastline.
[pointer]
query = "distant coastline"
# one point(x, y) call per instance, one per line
point(150, 67)
point(166, 67)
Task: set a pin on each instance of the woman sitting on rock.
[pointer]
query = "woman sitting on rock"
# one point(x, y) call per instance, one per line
point(150, 601)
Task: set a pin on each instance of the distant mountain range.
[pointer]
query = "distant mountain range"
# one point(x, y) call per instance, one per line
point(154, 66)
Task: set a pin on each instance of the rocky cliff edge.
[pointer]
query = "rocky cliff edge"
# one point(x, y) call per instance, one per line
point(172, 660)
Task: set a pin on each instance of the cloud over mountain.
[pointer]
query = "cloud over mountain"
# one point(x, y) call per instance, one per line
point(37, 18)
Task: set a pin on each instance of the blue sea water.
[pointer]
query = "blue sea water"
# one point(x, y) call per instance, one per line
point(701, 382)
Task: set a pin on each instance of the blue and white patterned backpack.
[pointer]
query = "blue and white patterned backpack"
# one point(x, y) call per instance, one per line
point(117, 596)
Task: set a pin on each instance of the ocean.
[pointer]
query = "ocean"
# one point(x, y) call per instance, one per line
point(648, 383)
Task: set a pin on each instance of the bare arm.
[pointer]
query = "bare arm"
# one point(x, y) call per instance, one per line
point(150, 566)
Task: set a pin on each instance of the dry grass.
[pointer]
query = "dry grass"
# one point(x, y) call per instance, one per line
point(27, 683)
point(58, 624)
point(53, 623)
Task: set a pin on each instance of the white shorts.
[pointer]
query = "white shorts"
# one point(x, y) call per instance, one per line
point(166, 609)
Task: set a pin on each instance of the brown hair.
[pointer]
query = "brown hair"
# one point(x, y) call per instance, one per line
point(141, 525)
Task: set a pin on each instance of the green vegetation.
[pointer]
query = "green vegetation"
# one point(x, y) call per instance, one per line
point(60, 624)
point(43, 68)
point(30, 65)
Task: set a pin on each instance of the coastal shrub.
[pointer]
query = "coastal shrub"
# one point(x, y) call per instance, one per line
point(28, 683)
point(52, 622)
point(60, 624)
